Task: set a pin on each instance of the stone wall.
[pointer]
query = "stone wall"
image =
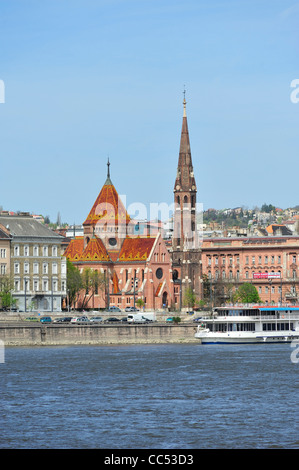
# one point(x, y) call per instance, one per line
point(55, 335)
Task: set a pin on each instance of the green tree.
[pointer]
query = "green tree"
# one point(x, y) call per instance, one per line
point(6, 287)
point(247, 293)
point(140, 303)
point(92, 282)
point(74, 282)
point(189, 298)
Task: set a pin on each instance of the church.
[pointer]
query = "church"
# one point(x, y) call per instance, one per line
point(135, 266)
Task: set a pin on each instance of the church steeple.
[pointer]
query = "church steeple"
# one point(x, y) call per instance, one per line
point(184, 192)
point(185, 180)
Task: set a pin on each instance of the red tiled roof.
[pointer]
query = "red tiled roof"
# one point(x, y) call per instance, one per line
point(108, 207)
point(136, 249)
point(75, 249)
point(95, 251)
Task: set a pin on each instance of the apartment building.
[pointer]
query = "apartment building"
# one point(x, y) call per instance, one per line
point(270, 263)
point(36, 263)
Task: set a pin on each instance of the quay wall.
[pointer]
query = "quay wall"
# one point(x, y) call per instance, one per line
point(58, 334)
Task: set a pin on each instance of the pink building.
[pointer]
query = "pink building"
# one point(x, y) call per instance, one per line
point(233, 261)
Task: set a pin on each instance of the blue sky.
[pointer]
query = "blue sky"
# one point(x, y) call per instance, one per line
point(85, 79)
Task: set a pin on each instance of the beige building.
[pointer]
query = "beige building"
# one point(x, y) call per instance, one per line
point(4, 251)
point(37, 266)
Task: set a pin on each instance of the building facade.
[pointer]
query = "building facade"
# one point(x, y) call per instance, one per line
point(270, 263)
point(134, 267)
point(37, 266)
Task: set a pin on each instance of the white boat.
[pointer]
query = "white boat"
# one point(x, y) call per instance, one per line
point(241, 325)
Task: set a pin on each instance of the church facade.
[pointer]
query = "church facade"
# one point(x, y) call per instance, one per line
point(134, 267)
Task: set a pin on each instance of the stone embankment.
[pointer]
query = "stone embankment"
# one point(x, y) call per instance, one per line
point(56, 334)
point(14, 331)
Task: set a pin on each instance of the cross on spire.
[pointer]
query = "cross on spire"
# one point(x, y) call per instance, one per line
point(184, 102)
point(108, 169)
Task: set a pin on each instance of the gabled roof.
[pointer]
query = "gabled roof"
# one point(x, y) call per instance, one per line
point(108, 207)
point(136, 249)
point(75, 249)
point(95, 251)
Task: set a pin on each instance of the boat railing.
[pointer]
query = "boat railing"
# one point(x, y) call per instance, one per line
point(280, 316)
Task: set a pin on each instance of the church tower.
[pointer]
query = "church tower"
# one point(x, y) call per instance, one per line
point(185, 241)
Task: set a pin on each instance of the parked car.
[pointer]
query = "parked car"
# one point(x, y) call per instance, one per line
point(62, 320)
point(169, 319)
point(80, 320)
point(113, 309)
point(198, 319)
point(46, 320)
point(96, 319)
point(66, 319)
point(124, 319)
point(111, 319)
point(31, 319)
point(132, 309)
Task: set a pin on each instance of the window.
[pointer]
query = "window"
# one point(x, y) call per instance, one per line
point(209, 261)
point(3, 269)
point(17, 285)
point(253, 259)
point(128, 300)
point(247, 275)
point(54, 250)
point(294, 273)
point(266, 289)
point(45, 284)
point(266, 259)
point(54, 268)
point(279, 259)
point(35, 268)
point(216, 260)
point(247, 260)
point(272, 259)
point(35, 285)
point(238, 275)
point(26, 268)
point(26, 250)
point(63, 286)
point(45, 251)
point(223, 274)
point(260, 290)
point(35, 250)
point(294, 259)
point(3, 252)
point(272, 289)
point(54, 285)
point(17, 268)
point(159, 273)
point(260, 260)
point(230, 260)
point(45, 268)
point(17, 251)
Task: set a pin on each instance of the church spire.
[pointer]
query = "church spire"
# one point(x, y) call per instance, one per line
point(185, 180)
point(108, 180)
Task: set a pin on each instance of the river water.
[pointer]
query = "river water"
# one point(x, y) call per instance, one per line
point(184, 396)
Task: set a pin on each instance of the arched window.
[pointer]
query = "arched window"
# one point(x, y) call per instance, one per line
point(185, 199)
